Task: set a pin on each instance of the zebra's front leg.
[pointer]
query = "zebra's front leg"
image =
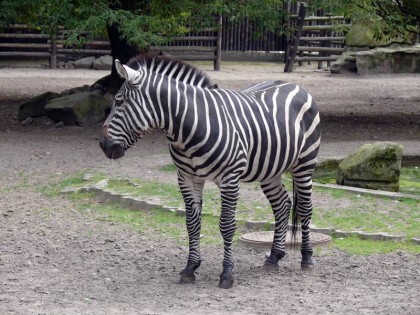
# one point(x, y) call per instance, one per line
point(303, 204)
point(192, 191)
point(280, 204)
point(227, 224)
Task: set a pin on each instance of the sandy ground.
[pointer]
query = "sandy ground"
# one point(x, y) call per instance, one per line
point(56, 260)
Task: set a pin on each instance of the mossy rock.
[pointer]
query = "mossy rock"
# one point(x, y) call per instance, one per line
point(35, 107)
point(372, 166)
point(81, 109)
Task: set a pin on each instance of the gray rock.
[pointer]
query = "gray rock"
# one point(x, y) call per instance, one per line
point(84, 63)
point(392, 59)
point(79, 89)
point(60, 124)
point(35, 107)
point(28, 121)
point(103, 63)
point(346, 63)
point(80, 109)
point(372, 166)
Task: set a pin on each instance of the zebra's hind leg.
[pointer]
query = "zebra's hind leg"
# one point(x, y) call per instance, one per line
point(229, 191)
point(303, 204)
point(192, 191)
point(280, 204)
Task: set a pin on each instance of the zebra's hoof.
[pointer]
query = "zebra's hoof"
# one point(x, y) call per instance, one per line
point(226, 277)
point(270, 267)
point(307, 263)
point(226, 283)
point(187, 279)
point(187, 275)
point(306, 267)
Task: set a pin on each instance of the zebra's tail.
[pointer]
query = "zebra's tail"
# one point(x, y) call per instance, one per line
point(295, 224)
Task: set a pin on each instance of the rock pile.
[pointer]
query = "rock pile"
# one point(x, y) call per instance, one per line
point(81, 106)
point(366, 55)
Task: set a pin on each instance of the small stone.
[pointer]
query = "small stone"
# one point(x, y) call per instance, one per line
point(60, 124)
point(28, 121)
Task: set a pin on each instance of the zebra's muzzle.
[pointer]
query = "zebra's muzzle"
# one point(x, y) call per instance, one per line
point(111, 149)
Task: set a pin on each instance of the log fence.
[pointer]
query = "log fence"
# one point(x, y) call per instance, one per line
point(316, 38)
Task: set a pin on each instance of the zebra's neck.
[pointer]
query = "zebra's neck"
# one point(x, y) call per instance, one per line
point(177, 109)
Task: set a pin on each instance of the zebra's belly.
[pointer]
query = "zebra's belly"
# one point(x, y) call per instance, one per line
point(260, 170)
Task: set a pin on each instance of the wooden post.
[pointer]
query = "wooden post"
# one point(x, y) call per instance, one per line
point(291, 57)
point(218, 60)
point(53, 56)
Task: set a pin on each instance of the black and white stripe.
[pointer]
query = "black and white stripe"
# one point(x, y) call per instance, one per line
point(224, 136)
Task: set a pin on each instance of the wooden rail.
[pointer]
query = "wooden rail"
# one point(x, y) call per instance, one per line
point(19, 41)
point(317, 38)
point(195, 47)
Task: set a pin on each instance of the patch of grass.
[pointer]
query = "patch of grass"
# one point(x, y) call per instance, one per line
point(409, 178)
point(170, 168)
point(54, 189)
point(344, 211)
point(154, 223)
point(167, 194)
point(355, 246)
point(371, 214)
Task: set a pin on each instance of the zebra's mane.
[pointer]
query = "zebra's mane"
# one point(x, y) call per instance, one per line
point(190, 74)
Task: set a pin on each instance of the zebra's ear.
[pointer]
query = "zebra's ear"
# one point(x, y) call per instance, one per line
point(126, 72)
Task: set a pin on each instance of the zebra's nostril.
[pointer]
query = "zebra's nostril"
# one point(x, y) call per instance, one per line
point(111, 149)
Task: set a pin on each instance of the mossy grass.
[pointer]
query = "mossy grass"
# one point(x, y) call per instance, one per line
point(344, 210)
point(355, 246)
point(409, 178)
point(153, 223)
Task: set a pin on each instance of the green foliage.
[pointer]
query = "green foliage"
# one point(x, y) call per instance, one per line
point(141, 23)
point(386, 18)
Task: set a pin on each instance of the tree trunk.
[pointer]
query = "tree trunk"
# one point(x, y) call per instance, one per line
point(120, 50)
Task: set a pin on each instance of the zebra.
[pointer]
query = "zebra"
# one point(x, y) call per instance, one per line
point(224, 136)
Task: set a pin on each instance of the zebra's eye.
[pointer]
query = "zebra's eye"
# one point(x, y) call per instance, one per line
point(119, 103)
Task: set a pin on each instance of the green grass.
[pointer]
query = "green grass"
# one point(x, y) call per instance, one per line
point(409, 178)
point(369, 214)
point(355, 246)
point(344, 210)
point(155, 223)
point(170, 168)
point(54, 189)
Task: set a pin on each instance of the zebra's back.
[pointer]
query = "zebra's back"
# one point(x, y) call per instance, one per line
point(259, 132)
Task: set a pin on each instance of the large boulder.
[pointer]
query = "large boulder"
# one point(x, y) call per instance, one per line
point(81, 109)
point(84, 63)
point(35, 107)
point(393, 59)
point(372, 166)
point(365, 54)
point(346, 63)
point(103, 63)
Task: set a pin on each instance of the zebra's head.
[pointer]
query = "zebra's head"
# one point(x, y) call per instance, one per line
point(124, 125)
point(133, 112)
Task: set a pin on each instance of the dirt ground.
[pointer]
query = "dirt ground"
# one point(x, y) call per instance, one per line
point(56, 260)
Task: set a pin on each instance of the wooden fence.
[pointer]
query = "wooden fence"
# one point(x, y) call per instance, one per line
point(18, 40)
point(203, 45)
point(316, 38)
